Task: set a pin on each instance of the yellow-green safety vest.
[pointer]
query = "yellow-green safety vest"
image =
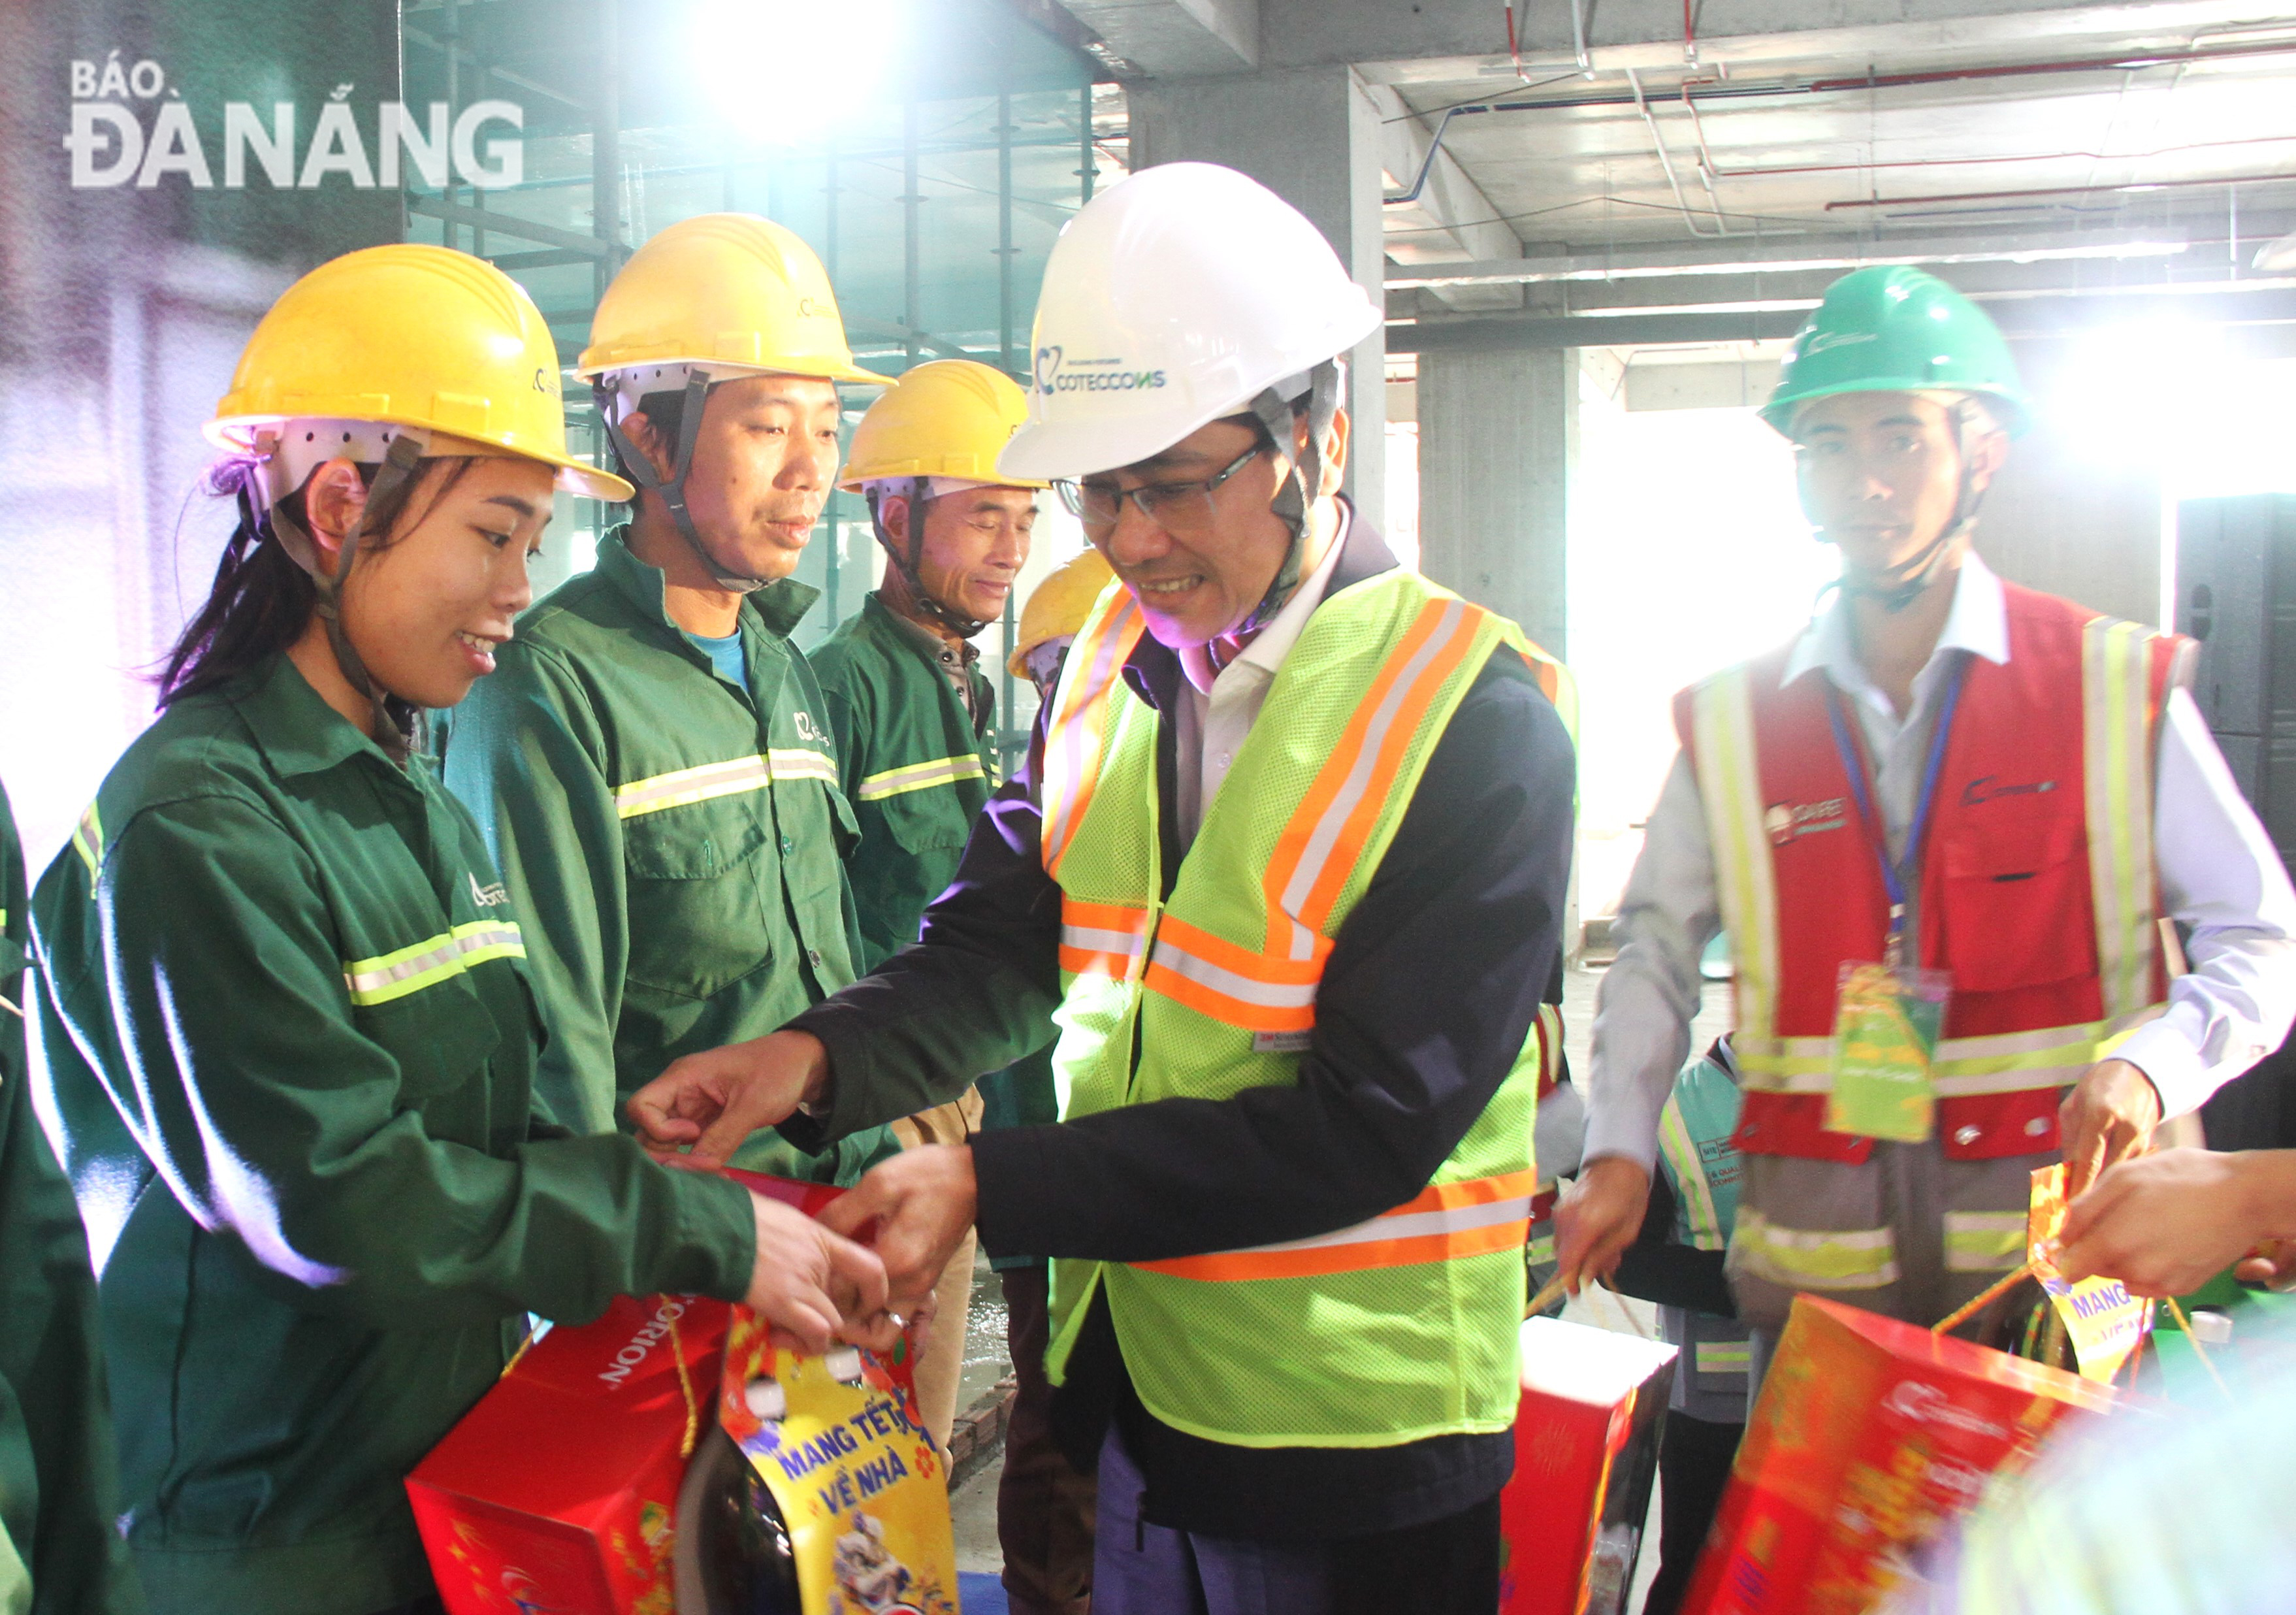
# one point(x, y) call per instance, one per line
point(1403, 1326)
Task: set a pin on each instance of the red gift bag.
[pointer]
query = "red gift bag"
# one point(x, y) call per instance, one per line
point(1868, 1434)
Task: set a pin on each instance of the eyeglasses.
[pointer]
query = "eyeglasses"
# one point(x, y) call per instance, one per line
point(1176, 507)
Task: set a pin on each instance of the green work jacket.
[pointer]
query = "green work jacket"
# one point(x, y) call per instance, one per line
point(291, 1044)
point(915, 766)
point(675, 840)
point(59, 1492)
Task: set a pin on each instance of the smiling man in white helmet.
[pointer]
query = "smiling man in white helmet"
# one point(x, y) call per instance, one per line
point(1292, 875)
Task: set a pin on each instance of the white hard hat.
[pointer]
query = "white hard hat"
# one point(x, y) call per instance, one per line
point(1176, 297)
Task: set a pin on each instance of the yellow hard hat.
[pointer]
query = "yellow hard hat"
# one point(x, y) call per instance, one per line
point(1058, 606)
point(950, 418)
point(417, 336)
point(728, 289)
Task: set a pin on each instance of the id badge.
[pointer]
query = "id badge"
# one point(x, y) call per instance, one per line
point(1885, 1029)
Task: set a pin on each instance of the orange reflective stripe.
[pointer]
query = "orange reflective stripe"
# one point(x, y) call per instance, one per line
point(1320, 1260)
point(1548, 675)
point(1100, 939)
point(1470, 1192)
point(1077, 739)
point(1446, 1222)
point(1324, 842)
point(1233, 985)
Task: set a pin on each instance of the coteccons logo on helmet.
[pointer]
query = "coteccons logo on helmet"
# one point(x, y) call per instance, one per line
point(1191, 289)
point(110, 145)
point(1057, 372)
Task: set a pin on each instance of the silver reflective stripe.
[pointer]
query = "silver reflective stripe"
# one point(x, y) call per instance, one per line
point(1093, 941)
point(1073, 749)
point(1405, 1224)
point(920, 776)
point(2117, 759)
point(687, 785)
point(729, 778)
point(88, 841)
point(426, 963)
point(795, 762)
point(1697, 1196)
point(1856, 1259)
point(2000, 1062)
point(1203, 973)
point(1984, 1241)
point(1317, 852)
point(1729, 786)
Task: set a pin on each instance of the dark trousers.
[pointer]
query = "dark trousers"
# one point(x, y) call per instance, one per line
point(1693, 1467)
point(1044, 1506)
point(1446, 1567)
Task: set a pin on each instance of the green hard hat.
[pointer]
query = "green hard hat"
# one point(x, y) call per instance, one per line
point(1892, 328)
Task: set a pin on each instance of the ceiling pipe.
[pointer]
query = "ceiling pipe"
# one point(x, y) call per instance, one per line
point(2032, 157)
point(1869, 203)
point(1631, 267)
point(2128, 62)
point(1689, 219)
point(1426, 165)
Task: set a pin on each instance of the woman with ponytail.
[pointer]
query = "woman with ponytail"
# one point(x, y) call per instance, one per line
point(289, 1034)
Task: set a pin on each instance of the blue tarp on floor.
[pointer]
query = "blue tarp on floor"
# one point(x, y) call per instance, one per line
point(981, 1594)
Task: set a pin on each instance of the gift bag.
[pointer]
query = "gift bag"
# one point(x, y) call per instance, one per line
point(1585, 1449)
point(1868, 1434)
point(559, 1490)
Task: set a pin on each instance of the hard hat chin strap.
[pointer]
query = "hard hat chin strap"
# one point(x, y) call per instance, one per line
point(911, 566)
point(401, 462)
point(672, 487)
point(1895, 587)
point(1297, 496)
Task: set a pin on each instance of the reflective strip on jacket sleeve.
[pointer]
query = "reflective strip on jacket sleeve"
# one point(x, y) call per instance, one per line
point(1443, 1222)
point(426, 963)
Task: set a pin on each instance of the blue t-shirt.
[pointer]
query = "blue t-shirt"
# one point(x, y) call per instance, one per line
point(726, 655)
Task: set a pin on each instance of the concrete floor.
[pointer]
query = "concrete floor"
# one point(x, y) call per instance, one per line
point(973, 1505)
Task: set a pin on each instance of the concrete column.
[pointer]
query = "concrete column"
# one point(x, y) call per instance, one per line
point(1498, 436)
point(1311, 136)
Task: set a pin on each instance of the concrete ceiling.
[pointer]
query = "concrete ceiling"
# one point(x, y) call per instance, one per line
point(2025, 144)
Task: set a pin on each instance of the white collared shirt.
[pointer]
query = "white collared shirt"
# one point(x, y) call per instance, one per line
point(1216, 710)
point(2217, 871)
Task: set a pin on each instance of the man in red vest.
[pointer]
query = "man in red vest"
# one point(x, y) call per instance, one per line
point(1942, 829)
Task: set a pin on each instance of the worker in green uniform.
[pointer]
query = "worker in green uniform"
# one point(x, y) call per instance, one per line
point(654, 765)
point(289, 1031)
point(59, 1496)
point(913, 715)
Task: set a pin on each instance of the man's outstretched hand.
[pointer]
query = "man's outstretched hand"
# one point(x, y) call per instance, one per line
point(713, 1100)
point(1598, 1218)
point(2107, 1118)
point(813, 1285)
point(922, 1203)
point(2167, 1224)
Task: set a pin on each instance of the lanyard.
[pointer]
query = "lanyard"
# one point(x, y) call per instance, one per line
point(1895, 873)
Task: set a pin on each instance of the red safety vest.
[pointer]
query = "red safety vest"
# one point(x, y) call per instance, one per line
point(2037, 885)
